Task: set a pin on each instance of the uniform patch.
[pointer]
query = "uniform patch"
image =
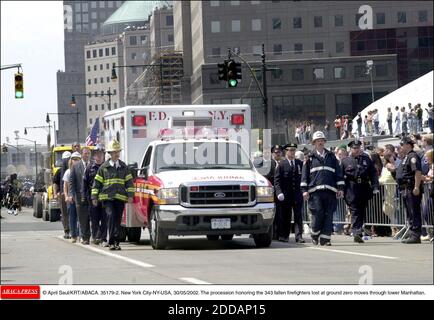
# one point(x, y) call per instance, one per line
point(364, 163)
point(413, 160)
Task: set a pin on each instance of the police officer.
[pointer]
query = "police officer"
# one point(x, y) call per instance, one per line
point(113, 185)
point(97, 214)
point(276, 151)
point(287, 186)
point(361, 182)
point(409, 178)
point(321, 183)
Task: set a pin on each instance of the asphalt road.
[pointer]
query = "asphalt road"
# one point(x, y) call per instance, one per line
point(33, 252)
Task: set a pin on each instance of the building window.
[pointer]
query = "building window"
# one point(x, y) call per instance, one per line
point(215, 52)
point(402, 17)
point(133, 40)
point(235, 3)
point(215, 3)
point(298, 48)
point(169, 20)
point(89, 81)
point(110, 4)
point(95, 94)
point(297, 74)
point(277, 24)
point(215, 26)
point(90, 120)
point(296, 22)
point(85, 27)
point(381, 70)
point(94, 53)
point(88, 68)
point(381, 18)
point(340, 45)
point(382, 44)
point(114, 65)
point(319, 47)
point(256, 25)
point(96, 107)
point(88, 54)
point(93, 4)
point(94, 26)
point(143, 39)
point(101, 67)
point(257, 50)
point(423, 16)
point(113, 51)
point(339, 72)
point(317, 21)
point(236, 26)
point(85, 18)
point(102, 107)
point(95, 80)
point(107, 52)
point(101, 80)
point(107, 66)
point(133, 70)
point(318, 73)
point(90, 108)
point(108, 79)
point(359, 72)
point(101, 4)
point(101, 52)
point(277, 74)
point(114, 91)
point(78, 27)
point(77, 18)
point(339, 20)
point(277, 49)
point(94, 15)
point(360, 45)
point(170, 37)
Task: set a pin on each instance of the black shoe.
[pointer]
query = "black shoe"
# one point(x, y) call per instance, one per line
point(66, 236)
point(112, 247)
point(315, 241)
point(300, 240)
point(283, 239)
point(117, 247)
point(324, 242)
point(358, 239)
point(412, 241)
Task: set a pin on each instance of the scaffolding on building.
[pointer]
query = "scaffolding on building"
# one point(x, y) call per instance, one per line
point(159, 83)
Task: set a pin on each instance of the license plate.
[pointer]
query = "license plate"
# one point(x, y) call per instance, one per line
point(223, 223)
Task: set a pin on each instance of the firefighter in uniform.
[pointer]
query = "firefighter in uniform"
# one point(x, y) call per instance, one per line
point(97, 214)
point(409, 178)
point(361, 182)
point(276, 158)
point(287, 185)
point(321, 183)
point(113, 186)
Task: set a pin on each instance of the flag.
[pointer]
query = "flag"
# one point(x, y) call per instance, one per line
point(92, 138)
point(139, 133)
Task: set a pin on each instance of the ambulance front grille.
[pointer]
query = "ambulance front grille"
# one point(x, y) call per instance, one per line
point(218, 196)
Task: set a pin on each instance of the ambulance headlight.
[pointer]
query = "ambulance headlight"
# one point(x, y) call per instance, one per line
point(264, 194)
point(168, 195)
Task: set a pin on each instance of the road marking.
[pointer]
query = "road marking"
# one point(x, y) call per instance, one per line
point(112, 255)
point(194, 281)
point(355, 253)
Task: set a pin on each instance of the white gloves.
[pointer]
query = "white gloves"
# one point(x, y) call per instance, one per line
point(376, 191)
point(281, 197)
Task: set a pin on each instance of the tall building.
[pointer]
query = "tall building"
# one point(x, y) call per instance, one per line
point(82, 21)
point(317, 49)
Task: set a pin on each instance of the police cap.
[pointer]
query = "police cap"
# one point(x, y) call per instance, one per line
point(406, 140)
point(355, 144)
point(290, 146)
point(276, 147)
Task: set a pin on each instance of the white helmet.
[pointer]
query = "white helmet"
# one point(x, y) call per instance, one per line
point(76, 155)
point(66, 155)
point(318, 135)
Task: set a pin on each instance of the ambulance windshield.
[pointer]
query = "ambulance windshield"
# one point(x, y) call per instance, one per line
point(200, 155)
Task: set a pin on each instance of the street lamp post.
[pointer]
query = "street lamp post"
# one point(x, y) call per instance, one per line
point(42, 127)
point(369, 66)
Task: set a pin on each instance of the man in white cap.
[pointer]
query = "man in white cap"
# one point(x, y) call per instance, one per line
point(321, 183)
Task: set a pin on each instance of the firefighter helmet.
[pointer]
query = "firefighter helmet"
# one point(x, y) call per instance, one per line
point(318, 135)
point(114, 146)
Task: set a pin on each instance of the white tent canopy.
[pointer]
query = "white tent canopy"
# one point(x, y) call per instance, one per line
point(417, 91)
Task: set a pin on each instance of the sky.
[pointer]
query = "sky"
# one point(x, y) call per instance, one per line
point(31, 34)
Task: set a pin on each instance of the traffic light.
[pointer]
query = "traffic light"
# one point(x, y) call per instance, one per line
point(223, 70)
point(4, 148)
point(19, 90)
point(72, 103)
point(234, 73)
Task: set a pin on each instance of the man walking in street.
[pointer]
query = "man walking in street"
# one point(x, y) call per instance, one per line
point(361, 181)
point(321, 183)
point(82, 206)
point(98, 218)
point(287, 185)
point(113, 186)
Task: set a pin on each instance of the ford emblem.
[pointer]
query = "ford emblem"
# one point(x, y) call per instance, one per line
point(219, 195)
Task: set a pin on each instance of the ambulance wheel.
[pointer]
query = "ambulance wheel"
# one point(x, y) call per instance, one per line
point(227, 237)
point(53, 215)
point(37, 210)
point(212, 237)
point(158, 238)
point(123, 234)
point(134, 234)
point(45, 216)
point(263, 240)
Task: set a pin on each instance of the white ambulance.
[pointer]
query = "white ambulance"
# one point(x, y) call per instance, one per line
point(193, 173)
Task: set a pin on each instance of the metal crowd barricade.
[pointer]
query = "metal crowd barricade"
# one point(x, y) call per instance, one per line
point(386, 208)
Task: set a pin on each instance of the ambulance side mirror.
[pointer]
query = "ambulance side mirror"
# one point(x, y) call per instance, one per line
point(258, 162)
point(133, 169)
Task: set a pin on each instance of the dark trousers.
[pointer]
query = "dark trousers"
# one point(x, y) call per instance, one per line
point(84, 220)
point(65, 214)
point(277, 218)
point(322, 204)
point(404, 127)
point(389, 124)
point(98, 222)
point(358, 217)
point(377, 127)
point(338, 133)
point(284, 228)
point(414, 214)
point(359, 129)
point(114, 210)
